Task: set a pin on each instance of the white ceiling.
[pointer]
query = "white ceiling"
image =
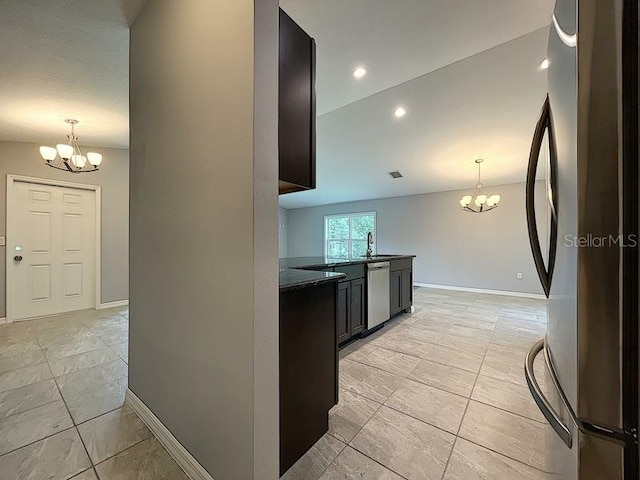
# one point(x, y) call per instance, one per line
point(398, 40)
point(485, 106)
point(69, 59)
point(65, 59)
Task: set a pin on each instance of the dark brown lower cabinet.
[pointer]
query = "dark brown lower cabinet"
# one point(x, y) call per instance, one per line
point(400, 286)
point(308, 368)
point(358, 306)
point(351, 309)
point(344, 309)
point(406, 289)
point(395, 292)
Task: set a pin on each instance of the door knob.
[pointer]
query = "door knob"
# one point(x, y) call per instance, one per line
point(18, 258)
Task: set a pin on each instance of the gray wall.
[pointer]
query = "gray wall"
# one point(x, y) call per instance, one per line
point(283, 228)
point(203, 307)
point(453, 247)
point(24, 159)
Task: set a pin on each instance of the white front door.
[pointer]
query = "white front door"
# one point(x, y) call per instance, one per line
point(52, 249)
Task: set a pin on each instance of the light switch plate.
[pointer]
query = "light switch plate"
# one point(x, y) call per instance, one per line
point(519, 275)
point(2, 244)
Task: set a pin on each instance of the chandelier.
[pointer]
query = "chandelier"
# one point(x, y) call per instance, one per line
point(69, 157)
point(479, 202)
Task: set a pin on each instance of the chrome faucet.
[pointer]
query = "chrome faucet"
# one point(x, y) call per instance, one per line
point(369, 243)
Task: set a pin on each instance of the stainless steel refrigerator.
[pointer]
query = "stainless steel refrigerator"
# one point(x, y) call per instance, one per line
point(586, 143)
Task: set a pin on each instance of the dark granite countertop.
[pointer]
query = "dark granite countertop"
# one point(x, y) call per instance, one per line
point(299, 272)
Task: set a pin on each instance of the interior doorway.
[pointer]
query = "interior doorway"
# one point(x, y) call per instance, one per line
point(53, 247)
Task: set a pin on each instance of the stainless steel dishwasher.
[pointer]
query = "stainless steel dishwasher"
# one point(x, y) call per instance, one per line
point(378, 310)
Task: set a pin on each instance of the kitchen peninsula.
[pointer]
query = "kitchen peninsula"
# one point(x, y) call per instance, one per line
point(323, 303)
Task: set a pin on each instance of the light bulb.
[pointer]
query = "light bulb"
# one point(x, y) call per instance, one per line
point(480, 199)
point(94, 158)
point(544, 64)
point(79, 160)
point(359, 72)
point(400, 112)
point(493, 200)
point(465, 201)
point(48, 153)
point(65, 151)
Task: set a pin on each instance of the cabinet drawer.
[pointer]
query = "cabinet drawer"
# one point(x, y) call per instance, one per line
point(402, 264)
point(352, 271)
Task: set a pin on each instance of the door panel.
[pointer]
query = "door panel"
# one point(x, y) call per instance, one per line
point(406, 289)
point(72, 233)
point(51, 244)
point(395, 295)
point(72, 280)
point(40, 232)
point(72, 199)
point(344, 307)
point(38, 196)
point(357, 306)
point(40, 282)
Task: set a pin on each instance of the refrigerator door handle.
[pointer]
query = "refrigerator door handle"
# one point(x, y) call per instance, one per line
point(544, 125)
point(545, 407)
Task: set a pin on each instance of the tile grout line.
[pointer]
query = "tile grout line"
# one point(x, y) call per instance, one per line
point(409, 355)
point(73, 425)
point(380, 405)
point(64, 402)
point(46, 360)
point(507, 411)
point(404, 413)
point(417, 381)
point(328, 464)
point(457, 435)
point(504, 455)
point(465, 413)
point(36, 441)
point(375, 461)
point(94, 465)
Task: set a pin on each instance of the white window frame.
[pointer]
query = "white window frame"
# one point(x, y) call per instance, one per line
point(350, 239)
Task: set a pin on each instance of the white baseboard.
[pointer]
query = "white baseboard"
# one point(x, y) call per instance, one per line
point(536, 296)
point(3, 320)
point(117, 303)
point(181, 455)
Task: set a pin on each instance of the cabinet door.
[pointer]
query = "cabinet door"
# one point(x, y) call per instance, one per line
point(406, 289)
point(297, 116)
point(357, 306)
point(344, 311)
point(395, 296)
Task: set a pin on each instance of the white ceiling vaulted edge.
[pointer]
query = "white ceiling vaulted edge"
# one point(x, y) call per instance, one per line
point(398, 40)
point(66, 59)
point(484, 106)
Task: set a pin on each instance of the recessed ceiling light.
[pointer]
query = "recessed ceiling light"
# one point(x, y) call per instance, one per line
point(359, 72)
point(544, 64)
point(399, 112)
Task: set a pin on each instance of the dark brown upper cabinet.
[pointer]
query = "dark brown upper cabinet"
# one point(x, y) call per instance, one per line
point(297, 108)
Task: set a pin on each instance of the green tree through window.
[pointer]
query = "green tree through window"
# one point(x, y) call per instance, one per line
point(346, 235)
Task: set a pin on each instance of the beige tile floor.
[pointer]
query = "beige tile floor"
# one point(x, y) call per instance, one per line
point(62, 414)
point(439, 394)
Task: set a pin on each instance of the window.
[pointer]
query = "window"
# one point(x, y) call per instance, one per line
point(346, 235)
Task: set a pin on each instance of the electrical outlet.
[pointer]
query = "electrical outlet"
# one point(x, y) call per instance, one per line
point(2, 244)
point(519, 275)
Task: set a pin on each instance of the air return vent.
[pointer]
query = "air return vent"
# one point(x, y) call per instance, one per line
point(395, 174)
